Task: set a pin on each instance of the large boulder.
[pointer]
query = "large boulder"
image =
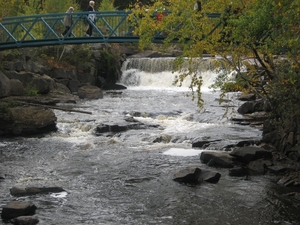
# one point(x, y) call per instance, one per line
point(251, 107)
point(4, 85)
point(59, 73)
point(196, 176)
point(90, 92)
point(14, 209)
point(188, 177)
point(43, 84)
point(16, 87)
point(26, 120)
point(24, 77)
point(217, 159)
point(250, 153)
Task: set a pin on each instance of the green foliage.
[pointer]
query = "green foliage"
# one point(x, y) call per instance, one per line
point(11, 53)
point(8, 55)
point(107, 5)
point(249, 34)
point(67, 56)
point(76, 55)
point(30, 91)
point(56, 6)
point(285, 92)
point(111, 62)
point(31, 7)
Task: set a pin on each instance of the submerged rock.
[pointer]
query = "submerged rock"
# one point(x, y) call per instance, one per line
point(250, 153)
point(15, 209)
point(196, 176)
point(190, 178)
point(217, 159)
point(17, 191)
point(25, 220)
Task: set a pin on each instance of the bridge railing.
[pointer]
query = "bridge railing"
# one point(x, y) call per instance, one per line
point(47, 28)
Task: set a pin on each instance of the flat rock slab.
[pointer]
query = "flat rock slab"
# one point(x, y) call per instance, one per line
point(15, 209)
point(188, 176)
point(17, 191)
point(250, 153)
point(196, 176)
point(217, 159)
point(25, 220)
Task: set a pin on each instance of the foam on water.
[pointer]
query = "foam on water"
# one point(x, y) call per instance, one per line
point(182, 152)
point(62, 194)
point(173, 125)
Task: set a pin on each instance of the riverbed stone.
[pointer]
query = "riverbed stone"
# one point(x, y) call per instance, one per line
point(14, 209)
point(59, 73)
point(90, 92)
point(289, 180)
point(210, 176)
point(26, 120)
point(200, 144)
point(43, 84)
point(220, 162)
point(258, 167)
point(16, 87)
point(196, 176)
point(250, 107)
point(188, 176)
point(73, 85)
point(238, 171)
point(25, 220)
point(217, 159)
point(250, 153)
point(18, 191)
point(4, 85)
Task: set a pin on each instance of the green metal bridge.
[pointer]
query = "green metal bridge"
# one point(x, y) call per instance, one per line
point(46, 29)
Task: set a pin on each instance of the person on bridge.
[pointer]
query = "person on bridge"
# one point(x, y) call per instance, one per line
point(91, 18)
point(68, 21)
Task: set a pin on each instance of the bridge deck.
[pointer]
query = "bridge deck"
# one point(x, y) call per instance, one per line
point(46, 29)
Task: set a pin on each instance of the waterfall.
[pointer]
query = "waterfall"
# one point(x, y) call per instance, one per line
point(159, 72)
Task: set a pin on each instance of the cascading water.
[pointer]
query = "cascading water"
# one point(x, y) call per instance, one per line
point(125, 177)
point(157, 72)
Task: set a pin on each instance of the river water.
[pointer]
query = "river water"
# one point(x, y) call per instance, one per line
point(126, 177)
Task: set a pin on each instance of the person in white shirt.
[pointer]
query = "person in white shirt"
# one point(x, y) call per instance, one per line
point(91, 17)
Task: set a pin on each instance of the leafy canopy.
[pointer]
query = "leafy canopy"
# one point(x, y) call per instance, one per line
point(31, 7)
point(248, 35)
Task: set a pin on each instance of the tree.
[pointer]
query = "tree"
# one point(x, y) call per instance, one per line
point(256, 30)
point(6, 8)
point(107, 5)
point(29, 7)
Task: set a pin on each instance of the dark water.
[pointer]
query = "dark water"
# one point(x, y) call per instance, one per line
point(126, 177)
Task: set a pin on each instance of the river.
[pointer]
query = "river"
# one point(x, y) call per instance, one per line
point(126, 177)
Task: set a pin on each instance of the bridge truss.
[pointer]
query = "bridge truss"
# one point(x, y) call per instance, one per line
point(46, 29)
